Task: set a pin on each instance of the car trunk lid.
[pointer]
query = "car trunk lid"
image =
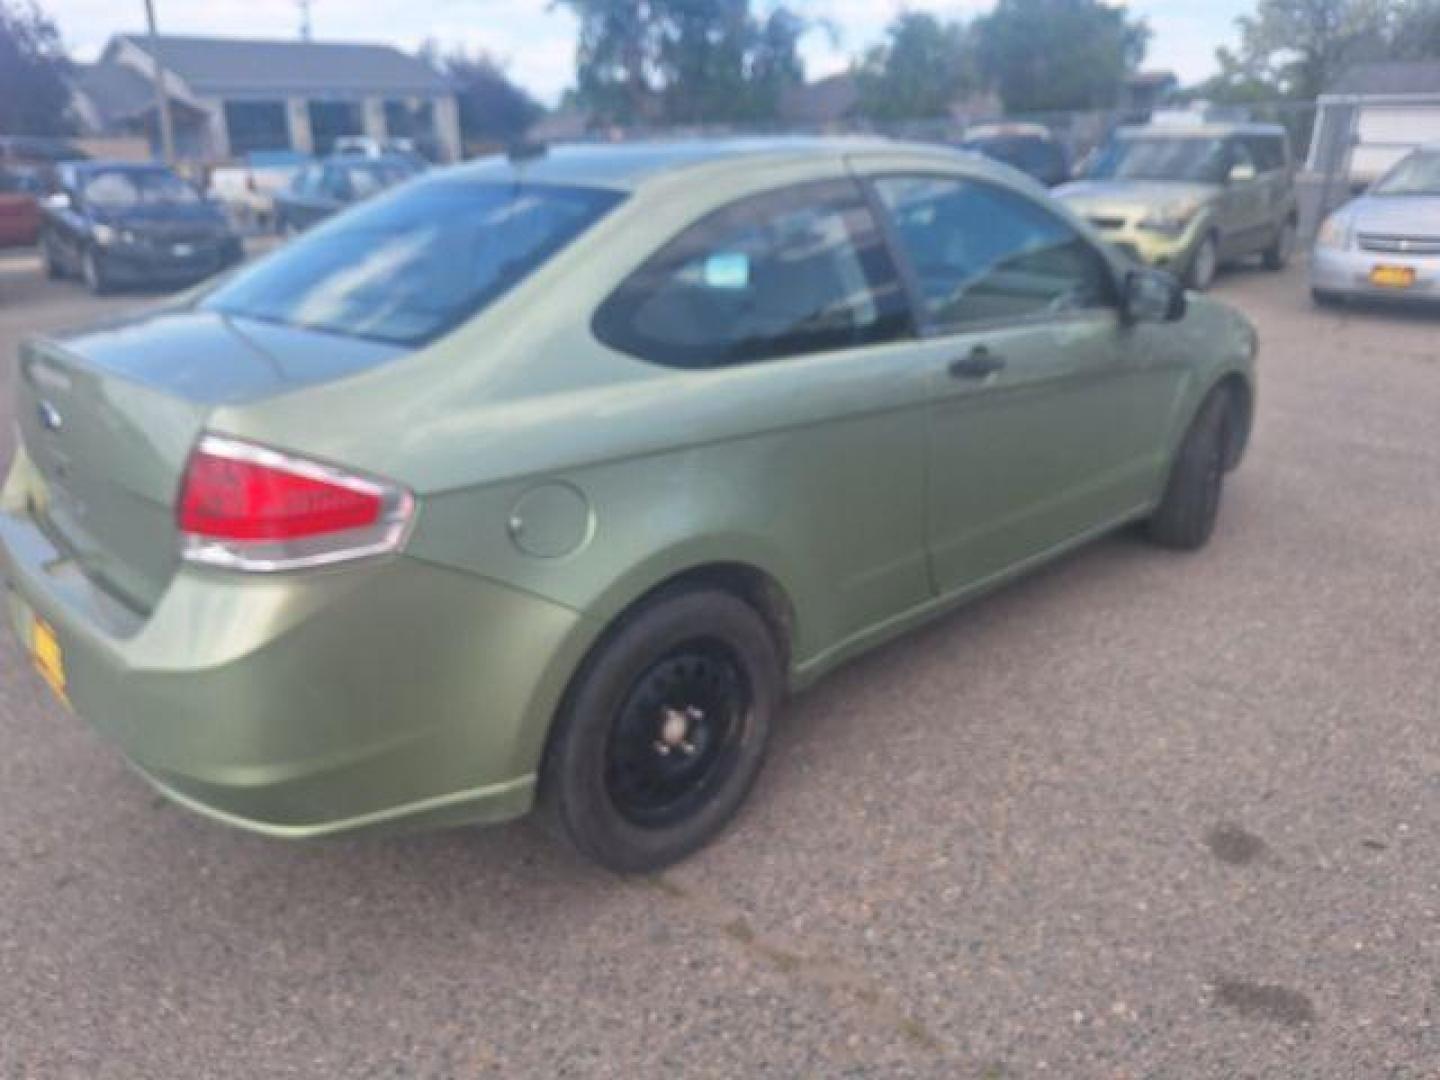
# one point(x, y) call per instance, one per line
point(109, 419)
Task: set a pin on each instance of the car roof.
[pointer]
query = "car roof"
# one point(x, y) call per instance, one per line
point(1197, 131)
point(626, 166)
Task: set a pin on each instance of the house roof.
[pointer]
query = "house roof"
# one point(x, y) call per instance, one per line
point(217, 66)
point(1390, 78)
point(116, 92)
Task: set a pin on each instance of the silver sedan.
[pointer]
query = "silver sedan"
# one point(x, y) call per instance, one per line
point(1386, 243)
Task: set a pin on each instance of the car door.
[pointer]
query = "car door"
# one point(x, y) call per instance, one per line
point(1048, 409)
point(785, 311)
point(1242, 202)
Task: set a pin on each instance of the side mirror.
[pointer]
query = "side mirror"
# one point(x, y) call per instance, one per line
point(60, 200)
point(1242, 172)
point(1153, 296)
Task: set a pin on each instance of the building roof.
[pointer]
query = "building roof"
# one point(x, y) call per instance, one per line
point(219, 66)
point(115, 91)
point(1390, 78)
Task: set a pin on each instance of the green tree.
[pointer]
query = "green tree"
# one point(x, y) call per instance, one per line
point(684, 61)
point(34, 96)
point(1043, 55)
point(492, 107)
point(921, 68)
point(1301, 46)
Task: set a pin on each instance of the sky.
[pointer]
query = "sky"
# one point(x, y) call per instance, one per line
point(537, 43)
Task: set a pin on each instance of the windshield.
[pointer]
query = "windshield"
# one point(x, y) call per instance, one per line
point(1418, 174)
point(1182, 160)
point(119, 189)
point(366, 178)
point(410, 266)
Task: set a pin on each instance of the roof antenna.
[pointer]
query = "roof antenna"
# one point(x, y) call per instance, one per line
point(304, 6)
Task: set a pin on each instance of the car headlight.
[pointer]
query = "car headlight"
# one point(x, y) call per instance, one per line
point(1169, 220)
point(1335, 233)
point(105, 234)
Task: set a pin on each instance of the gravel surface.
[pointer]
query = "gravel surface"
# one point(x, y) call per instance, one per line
point(1142, 815)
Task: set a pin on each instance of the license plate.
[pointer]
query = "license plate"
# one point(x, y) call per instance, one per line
point(47, 656)
point(182, 250)
point(1393, 277)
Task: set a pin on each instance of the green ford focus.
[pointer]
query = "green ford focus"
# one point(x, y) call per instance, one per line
point(541, 482)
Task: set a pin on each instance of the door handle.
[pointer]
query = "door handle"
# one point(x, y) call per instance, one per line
point(978, 363)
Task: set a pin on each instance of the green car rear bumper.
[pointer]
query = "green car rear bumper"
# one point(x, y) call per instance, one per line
point(393, 693)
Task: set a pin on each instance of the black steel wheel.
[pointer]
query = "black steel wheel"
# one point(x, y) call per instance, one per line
point(663, 730)
point(677, 737)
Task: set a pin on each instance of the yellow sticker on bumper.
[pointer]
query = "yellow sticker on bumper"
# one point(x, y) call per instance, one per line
point(48, 657)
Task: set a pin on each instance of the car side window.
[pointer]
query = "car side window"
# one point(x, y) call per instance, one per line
point(800, 270)
point(307, 181)
point(1268, 151)
point(983, 254)
point(336, 183)
point(1237, 153)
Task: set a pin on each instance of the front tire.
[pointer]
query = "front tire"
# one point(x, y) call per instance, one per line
point(1204, 265)
point(663, 731)
point(92, 269)
point(1186, 516)
point(54, 270)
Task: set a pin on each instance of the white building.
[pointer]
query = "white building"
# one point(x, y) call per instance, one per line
point(1373, 116)
point(229, 97)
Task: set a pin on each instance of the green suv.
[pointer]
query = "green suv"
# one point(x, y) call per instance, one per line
point(549, 479)
point(1187, 199)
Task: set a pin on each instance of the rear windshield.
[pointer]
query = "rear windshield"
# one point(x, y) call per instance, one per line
point(413, 265)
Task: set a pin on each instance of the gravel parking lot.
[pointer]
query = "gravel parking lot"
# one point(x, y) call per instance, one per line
point(1143, 815)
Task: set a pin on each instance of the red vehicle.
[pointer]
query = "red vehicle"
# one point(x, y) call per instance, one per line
point(21, 189)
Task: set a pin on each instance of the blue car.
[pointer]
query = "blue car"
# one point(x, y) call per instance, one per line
point(118, 223)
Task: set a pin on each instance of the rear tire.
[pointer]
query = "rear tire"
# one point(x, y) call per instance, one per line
point(1277, 255)
point(1326, 299)
point(1186, 517)
point(53, 269)
point(663, 731)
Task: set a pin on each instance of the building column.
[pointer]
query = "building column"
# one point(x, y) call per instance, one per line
point(297, 113)
point(217, 131)
point(446, 113)
point(372, 118)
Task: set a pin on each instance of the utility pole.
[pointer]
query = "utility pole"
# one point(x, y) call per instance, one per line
point(162, 100)
point(304, 6)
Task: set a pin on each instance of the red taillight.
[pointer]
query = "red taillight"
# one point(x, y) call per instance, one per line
point(248, 507)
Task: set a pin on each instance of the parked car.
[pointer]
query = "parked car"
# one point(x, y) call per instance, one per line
point(247, 190)
point(326, 187)
point(1190, 199)
point(21, 189)
point(1027, 147)
point(120, 223)
point(548, 480)
point(1387, 242)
